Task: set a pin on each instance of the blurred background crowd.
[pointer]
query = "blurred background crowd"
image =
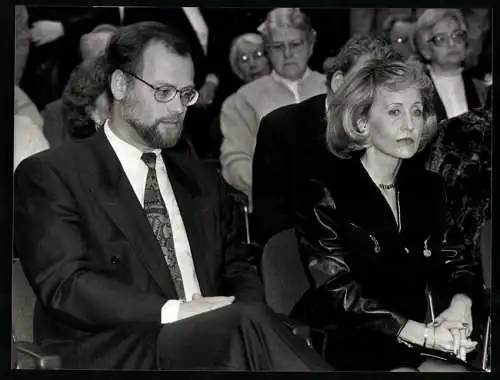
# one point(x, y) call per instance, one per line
point(59, 94)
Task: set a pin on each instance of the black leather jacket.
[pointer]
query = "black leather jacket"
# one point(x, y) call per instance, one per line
point(367, 275)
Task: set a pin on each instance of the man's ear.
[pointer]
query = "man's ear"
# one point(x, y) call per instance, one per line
point(337, 80)
point(118, 84)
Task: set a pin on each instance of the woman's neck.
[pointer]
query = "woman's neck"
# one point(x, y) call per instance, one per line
point(381, 167)
point(445, 69)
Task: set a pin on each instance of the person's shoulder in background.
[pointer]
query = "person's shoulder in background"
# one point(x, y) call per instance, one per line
point(23, 106)
point(28, 139)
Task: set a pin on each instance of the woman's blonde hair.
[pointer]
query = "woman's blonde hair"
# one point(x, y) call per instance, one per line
point(352, 102)
point(426, 22)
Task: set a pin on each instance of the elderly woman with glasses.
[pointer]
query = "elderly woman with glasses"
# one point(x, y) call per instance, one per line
point(385, 288)
point(247, 57)
point(441, 38)
point(289, 40)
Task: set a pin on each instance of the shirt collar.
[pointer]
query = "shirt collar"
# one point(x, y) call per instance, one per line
point(123, 149)
point(289, 82)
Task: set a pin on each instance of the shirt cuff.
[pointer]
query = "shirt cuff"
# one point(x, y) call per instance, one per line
point(212, 78)
point(170, 311)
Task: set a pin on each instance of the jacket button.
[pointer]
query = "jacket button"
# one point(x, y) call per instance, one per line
point(116, 259)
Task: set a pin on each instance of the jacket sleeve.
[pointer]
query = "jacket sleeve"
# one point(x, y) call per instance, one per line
point(457, 271)
point(337, 297)
point(272, 203)
point(238, 124)
point(240, 278)
point(54, 253)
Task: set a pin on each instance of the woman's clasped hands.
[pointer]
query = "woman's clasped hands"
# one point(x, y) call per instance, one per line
point(453, 327)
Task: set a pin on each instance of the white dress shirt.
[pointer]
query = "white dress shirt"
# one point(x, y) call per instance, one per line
point(136, 171)
point(451, 90)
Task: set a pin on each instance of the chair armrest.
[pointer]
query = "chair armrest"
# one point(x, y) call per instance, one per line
point(41, 359)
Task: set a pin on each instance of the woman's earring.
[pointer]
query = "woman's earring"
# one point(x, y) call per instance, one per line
point(362, 126)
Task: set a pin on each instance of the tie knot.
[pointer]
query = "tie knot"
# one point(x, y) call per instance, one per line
point(149, 159)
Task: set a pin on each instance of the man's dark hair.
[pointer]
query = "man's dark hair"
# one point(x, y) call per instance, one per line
point(354, 48)
point(86, 83)
point(126, 47)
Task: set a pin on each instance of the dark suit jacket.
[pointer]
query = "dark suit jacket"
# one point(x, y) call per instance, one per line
point(94, 263)
point(290, 148)
point(369, 278)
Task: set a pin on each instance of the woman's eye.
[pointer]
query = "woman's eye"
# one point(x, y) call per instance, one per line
point(394, 112)
point(418, 113)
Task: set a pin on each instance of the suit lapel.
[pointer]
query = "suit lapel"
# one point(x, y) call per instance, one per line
point(195, 214)
point(471, 95)
point(108, 183)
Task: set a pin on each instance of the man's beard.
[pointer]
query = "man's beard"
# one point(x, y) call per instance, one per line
point(156, 135)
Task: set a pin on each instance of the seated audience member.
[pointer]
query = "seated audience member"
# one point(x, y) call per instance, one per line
point(55, 35)
point(94, 44)
point(84, 104)
point(441, 38)
point(370, 233)
point(247, 57)
point(248, 62)
point(399, 30)
point(23, 106)
point(462, 155)
point(125, 241)
point(289, 39)
point(81, 95)
point(291, 145)
point(28, 124)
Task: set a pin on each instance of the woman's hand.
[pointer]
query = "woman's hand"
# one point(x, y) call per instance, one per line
point(442, 339)
point(460, 311)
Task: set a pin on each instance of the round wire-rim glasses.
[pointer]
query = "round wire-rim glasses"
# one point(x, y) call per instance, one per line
point(166, 93)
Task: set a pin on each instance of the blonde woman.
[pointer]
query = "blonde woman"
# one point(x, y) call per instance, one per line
point(371, 232)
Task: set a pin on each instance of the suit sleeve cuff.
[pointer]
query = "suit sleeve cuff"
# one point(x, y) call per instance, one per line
point(170, 311)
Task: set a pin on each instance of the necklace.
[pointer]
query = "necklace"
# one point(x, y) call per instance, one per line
point(386, 187)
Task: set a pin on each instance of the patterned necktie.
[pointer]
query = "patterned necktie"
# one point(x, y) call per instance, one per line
point(160, 221)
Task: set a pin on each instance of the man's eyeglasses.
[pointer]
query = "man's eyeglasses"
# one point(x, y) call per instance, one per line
point(440, 40)
point(166, 93)
point(293, 46)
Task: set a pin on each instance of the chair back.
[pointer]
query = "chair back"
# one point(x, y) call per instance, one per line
point(23, 304)
point(283, 274)
point(486, 253)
